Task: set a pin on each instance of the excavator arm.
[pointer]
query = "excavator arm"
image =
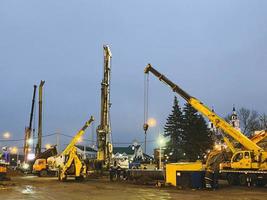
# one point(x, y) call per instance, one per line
point(76, 138)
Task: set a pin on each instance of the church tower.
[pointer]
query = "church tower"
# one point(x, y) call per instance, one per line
point(234, 121)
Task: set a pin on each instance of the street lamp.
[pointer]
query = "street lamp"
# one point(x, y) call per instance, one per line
point(80, 139)
point(30, 141)
point(6, 135)
point(151, 122)
point(48, 146)
point(14, 151)
point(31, 156)
point(161, 142)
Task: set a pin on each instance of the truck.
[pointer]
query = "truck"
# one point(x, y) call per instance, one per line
point(4, 162)
point(247, 165)
point(40, 165)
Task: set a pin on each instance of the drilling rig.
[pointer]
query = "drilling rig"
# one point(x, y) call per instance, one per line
point(104, 143)
point(40, 120)
point(28, 130)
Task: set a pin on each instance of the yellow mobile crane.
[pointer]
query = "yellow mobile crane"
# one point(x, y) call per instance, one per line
point(66, 163)
point(73, 164)
point(250, 163)
point(104, 143)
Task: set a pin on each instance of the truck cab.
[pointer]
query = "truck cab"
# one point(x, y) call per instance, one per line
point(242, 160)
point(40, 167)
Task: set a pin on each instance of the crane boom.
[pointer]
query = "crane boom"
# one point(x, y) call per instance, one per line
point(212, 116)
point(259, 136)
point(229, 144)
point(78, 135)
point(38, 147)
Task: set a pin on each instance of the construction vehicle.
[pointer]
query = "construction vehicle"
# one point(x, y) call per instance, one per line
point(104, 143)
point(4, 162)
point(73, 163)
point(40, 120)
point(67, 163)
point(246, 165)
point(259, 136)
point(28, 130)
point(3, 171)
point(40, 166)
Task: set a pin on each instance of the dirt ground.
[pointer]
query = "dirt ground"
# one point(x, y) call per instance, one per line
point(31, 187)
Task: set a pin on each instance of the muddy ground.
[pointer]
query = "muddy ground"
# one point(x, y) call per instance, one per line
point(31, 187)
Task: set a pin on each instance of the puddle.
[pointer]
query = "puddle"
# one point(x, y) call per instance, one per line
point(28, 190)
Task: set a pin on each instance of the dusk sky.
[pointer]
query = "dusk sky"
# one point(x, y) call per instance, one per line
point(215, 50)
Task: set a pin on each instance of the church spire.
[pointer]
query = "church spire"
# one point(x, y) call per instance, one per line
point(234, 119)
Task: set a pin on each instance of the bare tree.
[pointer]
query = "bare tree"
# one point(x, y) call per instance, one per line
point(249, 121)
point(263, 121)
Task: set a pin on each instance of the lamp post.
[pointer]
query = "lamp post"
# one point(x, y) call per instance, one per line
point(161, 142)
point(47, 146)
point(15, 151)
point(6, 135)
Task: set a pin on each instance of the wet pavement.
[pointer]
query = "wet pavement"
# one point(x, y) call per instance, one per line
point(31, 187)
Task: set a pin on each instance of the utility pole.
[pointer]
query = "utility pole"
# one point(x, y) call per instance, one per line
point(40, 120)
point(58, 141)
point(104, 130)
point(28, 130)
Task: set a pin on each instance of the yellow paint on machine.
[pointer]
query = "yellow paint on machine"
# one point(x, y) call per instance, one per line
point(3, 169)
point(172, 168)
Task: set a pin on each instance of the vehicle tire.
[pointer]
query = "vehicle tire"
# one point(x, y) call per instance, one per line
point(43, 173)
point(243, 179)
point(115, 176)
point(232, 179)
point(79, 178)
point(260, 183)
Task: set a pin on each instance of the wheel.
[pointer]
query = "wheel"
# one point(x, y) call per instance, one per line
point(114, 176)
point(260, 183)
point(232, 179)
point(79, 178)
point(43, 173)
point(243, 179)
point(253, 179)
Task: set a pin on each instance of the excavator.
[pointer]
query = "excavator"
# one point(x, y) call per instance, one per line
point(67, 163)
point(248, 163)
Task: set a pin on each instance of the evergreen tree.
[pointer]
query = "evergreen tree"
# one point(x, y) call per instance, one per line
point(197, 136)
point(173, 129)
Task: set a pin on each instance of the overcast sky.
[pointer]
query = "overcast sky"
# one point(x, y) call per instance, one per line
point(215, 50)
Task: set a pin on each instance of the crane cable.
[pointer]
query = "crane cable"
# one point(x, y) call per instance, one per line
point(146, 88)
